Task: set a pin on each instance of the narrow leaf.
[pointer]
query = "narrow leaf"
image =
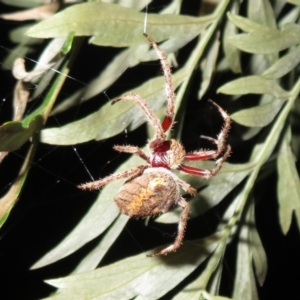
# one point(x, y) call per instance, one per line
point(253, 85)
point(288, 187)
point(119, 64)
point(244, 283)
point(217, 188)
point(137, 276)
point(232, 54)
point(262, 12)
point(111, 120)
point(92, 259)
point(258, 252)
point(209, 66)
point(114, 25)
point(248, 25)
point(99, 217)
point(258, 116)
point(295, 2)
point(284, 65)
point(8, 201)
point(14, 134)
point(267, 43)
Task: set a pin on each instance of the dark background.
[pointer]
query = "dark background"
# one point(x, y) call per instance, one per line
point(51, 205)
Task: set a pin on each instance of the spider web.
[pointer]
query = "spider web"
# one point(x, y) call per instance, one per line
point(50, 204)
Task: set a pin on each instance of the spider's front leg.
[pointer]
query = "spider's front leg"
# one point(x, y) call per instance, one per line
point(168, 119)
point(95, 185)
point(181, 230)
point(133, 150)
point(152, 119)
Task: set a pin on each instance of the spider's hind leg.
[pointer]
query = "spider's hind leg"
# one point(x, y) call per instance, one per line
point(181, 230)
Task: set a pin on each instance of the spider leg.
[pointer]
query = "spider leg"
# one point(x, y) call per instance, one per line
point(221, 138)
point(181, 230)
point(95, 185)
point(214, 141)
point(186, 187)
point(168, 120)
point(220, 142)
point(133, 150)
point(153, 120)
point(207, 173)
point(200, 155)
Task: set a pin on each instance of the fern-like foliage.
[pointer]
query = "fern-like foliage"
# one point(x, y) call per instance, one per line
point(256, 44)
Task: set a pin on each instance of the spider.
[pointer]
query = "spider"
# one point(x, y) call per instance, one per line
point(154, 188)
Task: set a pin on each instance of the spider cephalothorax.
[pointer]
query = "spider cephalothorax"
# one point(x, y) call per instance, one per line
point(154, 188)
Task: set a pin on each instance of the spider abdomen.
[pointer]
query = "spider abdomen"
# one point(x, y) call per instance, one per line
point(152, 193)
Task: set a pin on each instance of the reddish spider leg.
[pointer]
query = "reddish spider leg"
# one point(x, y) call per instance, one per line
point(170, 94)
point(211, 154)
point(168, 120)
point(159, 128)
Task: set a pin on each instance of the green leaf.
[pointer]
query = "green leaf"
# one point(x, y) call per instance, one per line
point(18, 36)
point(111, 120)
point(93, 258)
point(244, 283)
point(208, 67)
point(114, 25)
point(217, 188)
point(8, 201)
point(295, 2)
point(258, 116)
point(21, 3)
point(68, 43)
point(290, 17)
point(262, 12)
point(232, 54)
point(248, 25)
point(147, 278)
point(267, 42)
point(99, 217)
point(288, 187)
point(25, 45)
point(253, 85)
point(284, 65)
point(14, 134)
point(119, 64)
point(258, 252)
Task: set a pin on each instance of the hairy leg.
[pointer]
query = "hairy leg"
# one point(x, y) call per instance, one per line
point(181, 230)
point(95, 185)
point(168, 120)
point(151, 117)
point(133, 150)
